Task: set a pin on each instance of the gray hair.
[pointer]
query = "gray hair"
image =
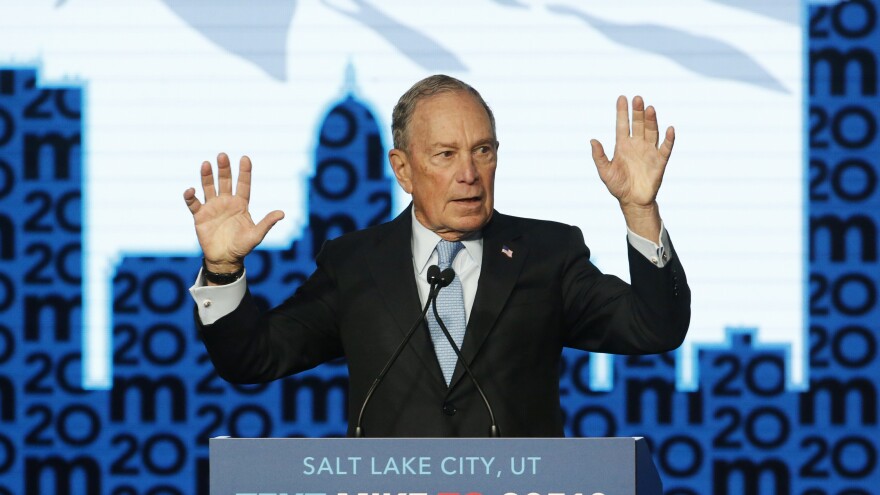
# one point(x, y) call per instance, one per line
point(427, 87)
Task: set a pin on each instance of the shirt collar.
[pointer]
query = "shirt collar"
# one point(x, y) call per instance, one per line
point(425, 240)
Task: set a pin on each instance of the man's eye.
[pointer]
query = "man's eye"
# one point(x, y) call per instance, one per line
point(485, 150)
point(445, 154)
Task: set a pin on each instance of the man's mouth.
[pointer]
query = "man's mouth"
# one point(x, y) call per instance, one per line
point(472, 200)
point(468, 199)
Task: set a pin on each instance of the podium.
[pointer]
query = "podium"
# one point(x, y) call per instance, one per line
point(442, 466)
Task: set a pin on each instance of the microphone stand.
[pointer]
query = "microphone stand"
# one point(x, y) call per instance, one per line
point(434, 278)
point(446, 279)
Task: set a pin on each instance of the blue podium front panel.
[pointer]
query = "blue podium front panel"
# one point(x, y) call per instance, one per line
point(606, 466)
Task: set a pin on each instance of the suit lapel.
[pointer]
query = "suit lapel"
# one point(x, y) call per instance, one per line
point(498, 275)
point(390, 264)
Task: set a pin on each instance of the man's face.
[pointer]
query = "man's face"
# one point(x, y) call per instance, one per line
point(449, 166)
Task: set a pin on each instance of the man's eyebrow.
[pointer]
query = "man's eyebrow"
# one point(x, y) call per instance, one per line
point(443, 145)
point(485, 141)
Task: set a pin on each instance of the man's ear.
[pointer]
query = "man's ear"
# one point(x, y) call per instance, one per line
point(401, 167)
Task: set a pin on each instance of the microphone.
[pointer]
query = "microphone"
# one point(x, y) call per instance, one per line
point(435, 276)
point(437, 280)
point(445, 279)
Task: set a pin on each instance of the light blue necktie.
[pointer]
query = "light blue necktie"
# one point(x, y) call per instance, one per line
point(450, 306)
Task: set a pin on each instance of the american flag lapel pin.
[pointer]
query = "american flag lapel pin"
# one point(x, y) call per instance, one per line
point(506, 251)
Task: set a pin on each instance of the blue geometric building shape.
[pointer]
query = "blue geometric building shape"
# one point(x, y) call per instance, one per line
point(163, 380)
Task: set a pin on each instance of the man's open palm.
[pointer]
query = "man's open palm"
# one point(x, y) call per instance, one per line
point(634, 173)
point(224, 227)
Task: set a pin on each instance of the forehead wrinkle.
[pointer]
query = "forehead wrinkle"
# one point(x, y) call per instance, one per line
point(449, 128)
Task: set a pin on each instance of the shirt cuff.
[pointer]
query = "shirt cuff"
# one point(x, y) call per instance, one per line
point(656, 254)
point(216, 301)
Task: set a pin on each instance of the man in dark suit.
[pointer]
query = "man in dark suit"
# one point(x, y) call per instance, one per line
point(524, 288)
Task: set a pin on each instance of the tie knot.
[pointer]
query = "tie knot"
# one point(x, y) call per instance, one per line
point(447, 250)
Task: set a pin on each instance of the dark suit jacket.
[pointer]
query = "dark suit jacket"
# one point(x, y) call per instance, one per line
point(362, 298)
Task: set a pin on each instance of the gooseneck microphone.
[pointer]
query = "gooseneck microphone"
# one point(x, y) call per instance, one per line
point(445, 279)
point(437, 281)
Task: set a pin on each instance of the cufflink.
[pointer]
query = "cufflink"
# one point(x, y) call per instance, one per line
point(654, 260)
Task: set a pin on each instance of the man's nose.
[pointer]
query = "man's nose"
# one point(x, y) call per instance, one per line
point(467, 172)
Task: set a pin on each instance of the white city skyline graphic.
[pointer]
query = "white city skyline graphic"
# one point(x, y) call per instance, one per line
point(169, 84)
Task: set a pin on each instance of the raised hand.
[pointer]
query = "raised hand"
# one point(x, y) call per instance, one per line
point(633, 175)
point(224, 227)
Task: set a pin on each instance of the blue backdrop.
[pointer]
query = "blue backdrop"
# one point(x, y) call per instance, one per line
point(742, 431)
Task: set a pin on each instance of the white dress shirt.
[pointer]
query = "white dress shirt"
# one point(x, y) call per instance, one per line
point(217, 301)
point(467, 263)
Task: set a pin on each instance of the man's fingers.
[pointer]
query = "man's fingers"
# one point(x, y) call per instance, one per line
point(622, 118)
point(224, 174)
point(666, 147)
point(599, 156)
point(268, 222)
point(208, 181)
point(652, 133)
point(638, 117)
point(192, 202)
point(243, 187)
